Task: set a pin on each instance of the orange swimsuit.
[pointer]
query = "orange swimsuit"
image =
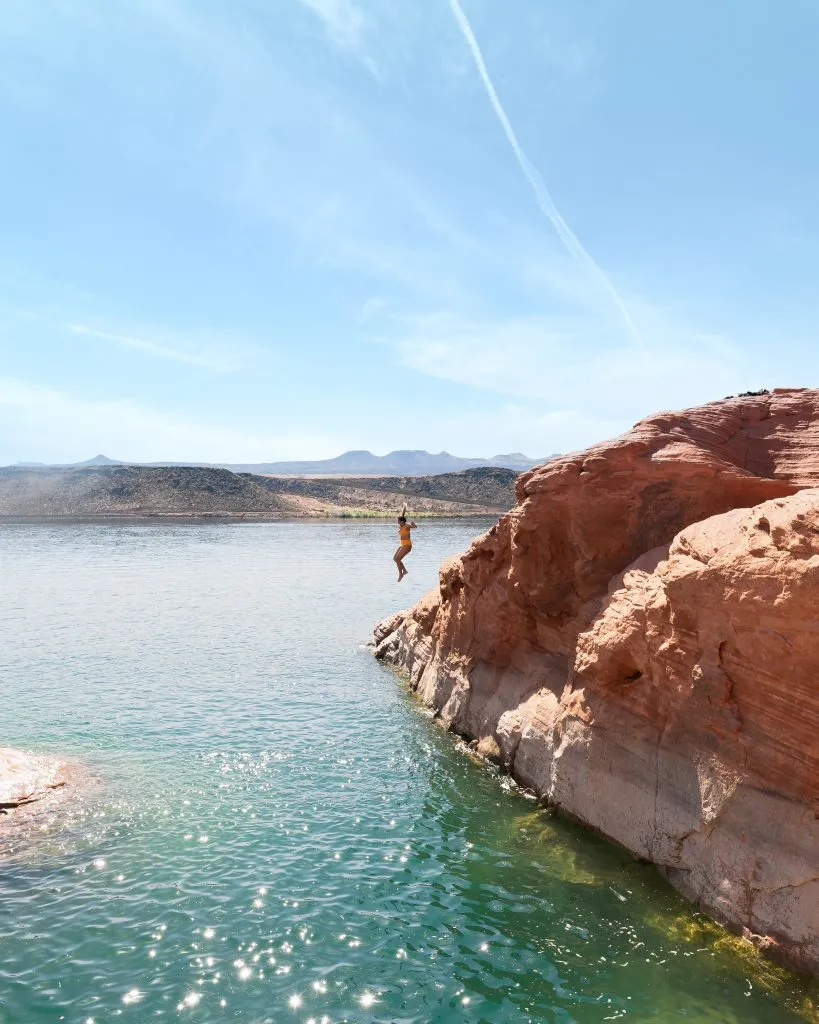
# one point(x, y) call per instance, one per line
point(404, 534)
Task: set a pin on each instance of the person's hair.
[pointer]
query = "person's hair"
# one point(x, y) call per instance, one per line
point(402, 519)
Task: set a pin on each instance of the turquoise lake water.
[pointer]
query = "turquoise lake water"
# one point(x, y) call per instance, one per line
point(280, 833)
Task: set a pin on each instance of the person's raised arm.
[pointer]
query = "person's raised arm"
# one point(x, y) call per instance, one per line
point(412, 526)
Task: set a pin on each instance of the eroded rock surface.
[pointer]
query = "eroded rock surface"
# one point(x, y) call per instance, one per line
point(26, 777)
point(638, 642)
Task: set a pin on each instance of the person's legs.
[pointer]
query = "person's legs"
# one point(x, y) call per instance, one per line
point(398, 558)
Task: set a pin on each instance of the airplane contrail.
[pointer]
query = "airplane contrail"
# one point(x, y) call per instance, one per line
point(542, 195)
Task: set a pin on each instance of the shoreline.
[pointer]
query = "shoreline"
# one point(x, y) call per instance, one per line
point(237, 517)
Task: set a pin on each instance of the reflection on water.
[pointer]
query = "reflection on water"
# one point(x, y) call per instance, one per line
point(279, 834)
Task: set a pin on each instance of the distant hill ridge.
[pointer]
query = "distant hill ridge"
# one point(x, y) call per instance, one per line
point(411, 462)
point(127, 490)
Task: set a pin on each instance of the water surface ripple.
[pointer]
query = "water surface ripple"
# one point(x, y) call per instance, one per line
point(280, 833)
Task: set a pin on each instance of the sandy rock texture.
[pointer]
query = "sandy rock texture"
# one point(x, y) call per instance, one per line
point(38, 795)
point(638, 642)
point(26, 777)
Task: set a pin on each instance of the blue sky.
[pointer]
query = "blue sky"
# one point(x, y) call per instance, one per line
point(241, 230)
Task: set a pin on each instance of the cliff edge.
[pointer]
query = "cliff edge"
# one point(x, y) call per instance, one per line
point(637, 642)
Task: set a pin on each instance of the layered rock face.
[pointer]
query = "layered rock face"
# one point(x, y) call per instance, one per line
point(638, 642)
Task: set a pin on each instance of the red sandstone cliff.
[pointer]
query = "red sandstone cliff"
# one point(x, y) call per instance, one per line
point(638, 642)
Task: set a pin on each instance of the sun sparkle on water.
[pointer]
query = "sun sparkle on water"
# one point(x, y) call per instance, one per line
point(354, 860)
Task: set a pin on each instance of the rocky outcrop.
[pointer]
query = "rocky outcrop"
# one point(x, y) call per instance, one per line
point(38, 794)
point(638, 643)
point(26, 777)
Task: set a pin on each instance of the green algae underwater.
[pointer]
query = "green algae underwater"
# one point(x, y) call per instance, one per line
point(278, 832)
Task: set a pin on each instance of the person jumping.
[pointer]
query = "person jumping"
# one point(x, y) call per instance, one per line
point(405, 545)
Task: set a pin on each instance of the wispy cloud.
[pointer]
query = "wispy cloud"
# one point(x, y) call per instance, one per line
point(533, 176)
point(192, 358)
point(53, 425)
point(344, 20)
point(495, 430)
point(329, 206)
point(578, 363)
point(348, 28)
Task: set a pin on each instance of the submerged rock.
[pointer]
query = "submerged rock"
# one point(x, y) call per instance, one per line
point(637, 642)
point(26, 777)
point(39, 796)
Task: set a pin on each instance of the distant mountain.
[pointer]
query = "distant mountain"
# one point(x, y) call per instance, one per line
point(353, 463)
point(398, 463)
point(99, 460)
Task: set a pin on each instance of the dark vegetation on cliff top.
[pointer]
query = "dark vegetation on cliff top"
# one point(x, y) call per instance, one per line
point(194, 491)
